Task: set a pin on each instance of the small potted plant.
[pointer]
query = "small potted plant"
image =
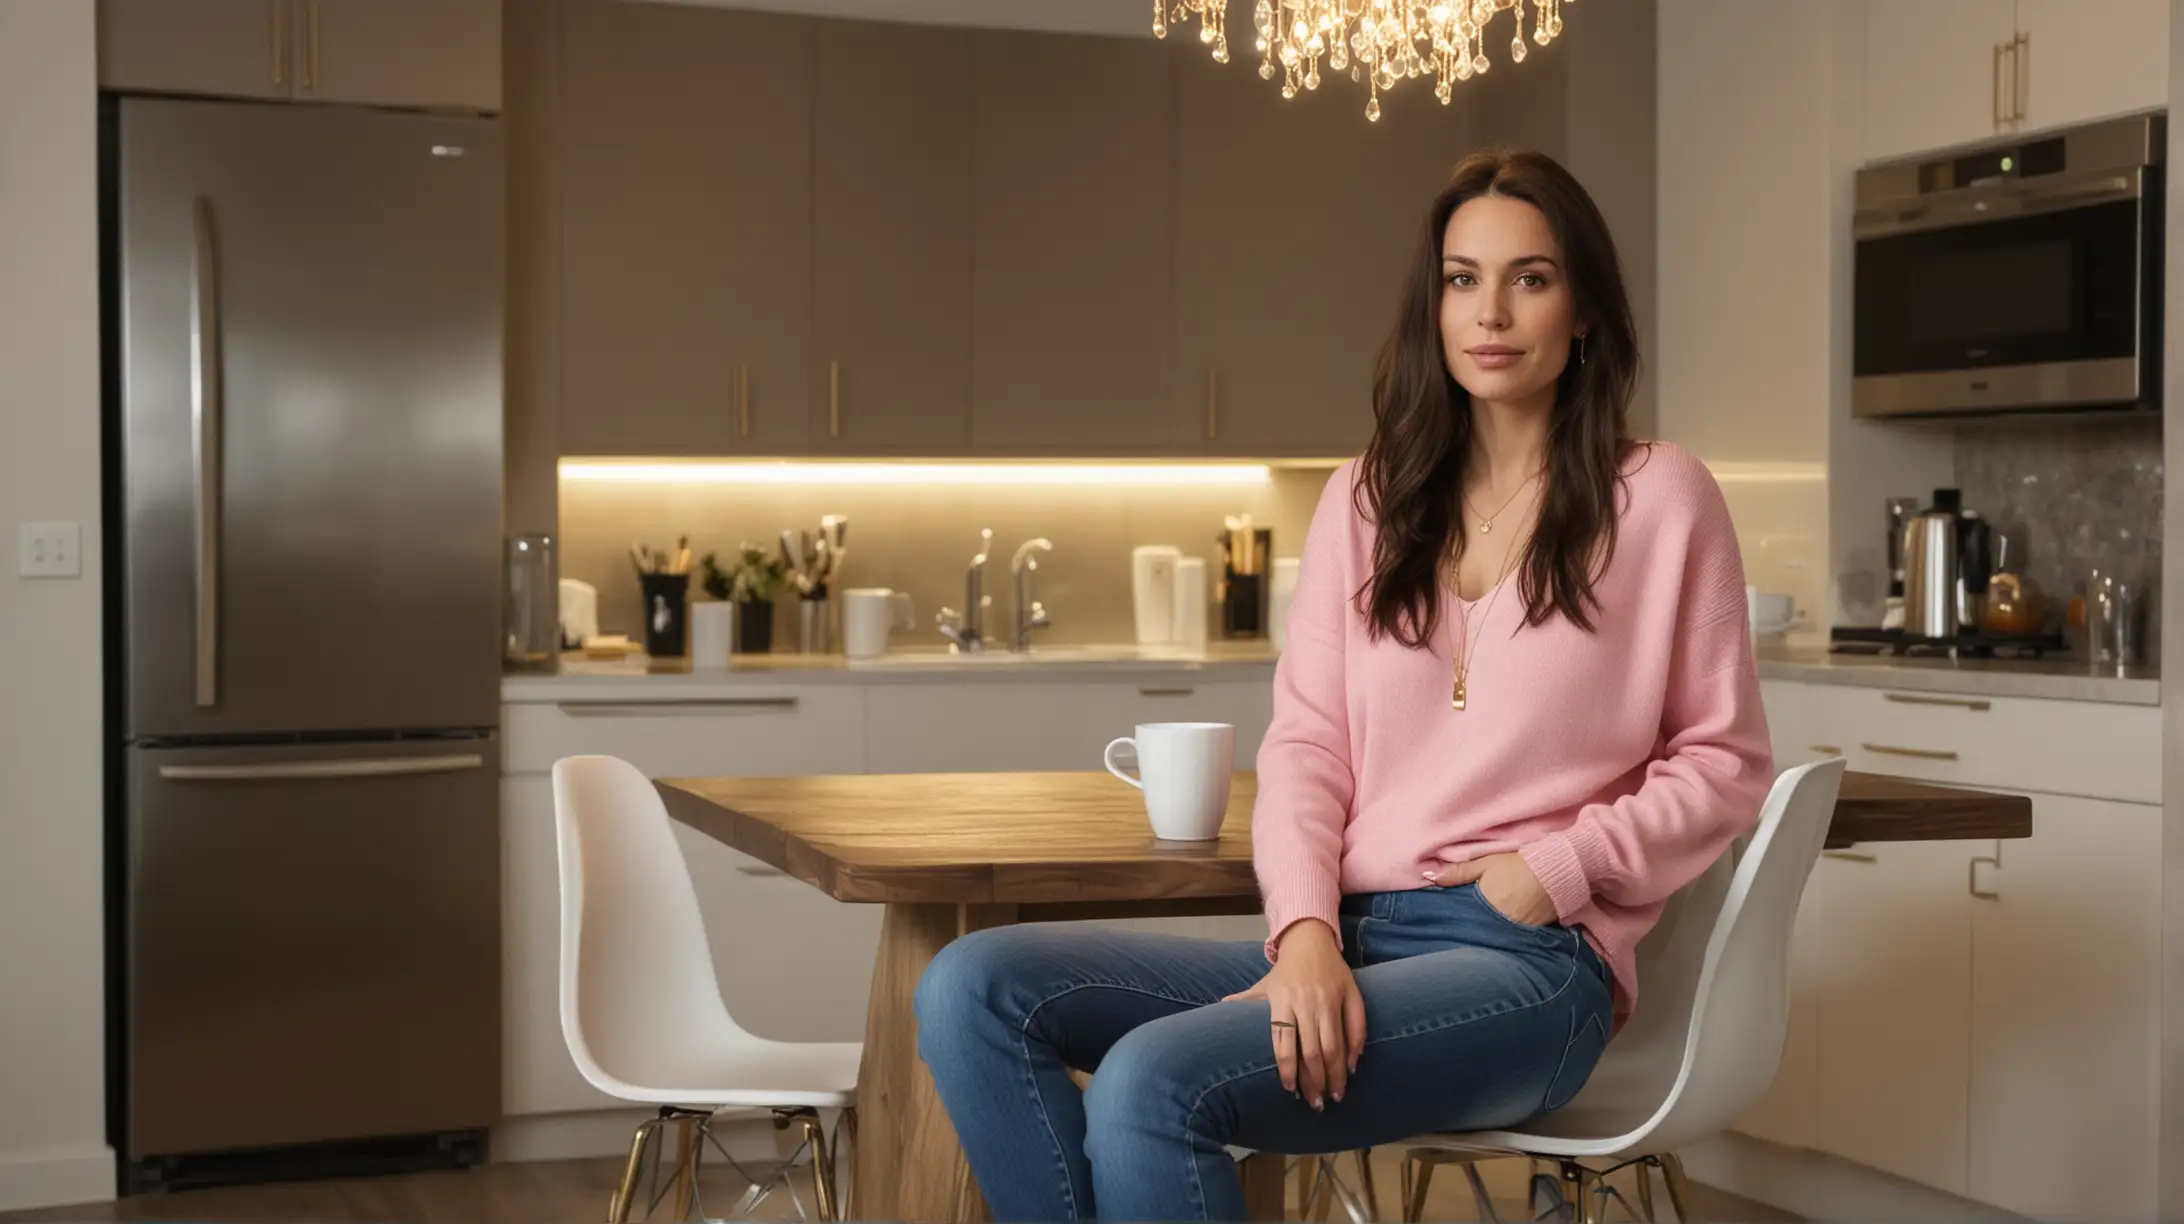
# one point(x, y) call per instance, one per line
point(751, 584)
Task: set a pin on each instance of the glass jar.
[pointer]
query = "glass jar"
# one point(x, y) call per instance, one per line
point(531, 608)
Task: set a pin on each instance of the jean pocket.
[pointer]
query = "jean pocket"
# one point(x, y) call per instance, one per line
point(1588, 1040)
point(1479, 894)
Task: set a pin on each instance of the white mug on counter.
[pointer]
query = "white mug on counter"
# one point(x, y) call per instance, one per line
point(712, 633)
point(868, 615)
point(1184, 770)
point(1769, 612)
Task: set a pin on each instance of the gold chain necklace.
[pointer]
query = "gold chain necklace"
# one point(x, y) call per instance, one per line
point(1459, 694)
point(1486, 524)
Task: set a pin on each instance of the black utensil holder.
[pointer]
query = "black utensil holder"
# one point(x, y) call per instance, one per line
point(666, 613)
point(754, 627)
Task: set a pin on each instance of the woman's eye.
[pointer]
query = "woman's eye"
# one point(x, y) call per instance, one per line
point(1531, 280)
point(1464, 279)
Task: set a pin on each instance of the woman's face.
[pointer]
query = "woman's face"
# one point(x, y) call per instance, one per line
point(1507, 313)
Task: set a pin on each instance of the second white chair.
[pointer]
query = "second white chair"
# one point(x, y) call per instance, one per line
point(641, 1006)
point(1704, 1045)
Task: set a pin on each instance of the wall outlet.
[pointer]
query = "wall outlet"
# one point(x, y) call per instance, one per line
point(51, 550)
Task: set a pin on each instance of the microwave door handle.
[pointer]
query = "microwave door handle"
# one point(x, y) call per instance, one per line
point(2021, 200)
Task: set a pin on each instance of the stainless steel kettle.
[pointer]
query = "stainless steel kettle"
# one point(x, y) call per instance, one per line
point(1945, 568)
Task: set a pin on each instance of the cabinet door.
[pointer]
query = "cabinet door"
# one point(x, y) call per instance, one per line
point(537, 1074)
point(2066, 960)
point(1789, 721)
point(891, 239)
point(1894, 1010)
point(951, 724)
point(686, 204)
point(230, 48)
point(1930, 73)
point(1295, 223)
point(1072, 304)
point(2088, 59)
point(436, 53)
point(1115, 708)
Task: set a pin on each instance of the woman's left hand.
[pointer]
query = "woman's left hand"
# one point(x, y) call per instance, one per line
point(1507, 883)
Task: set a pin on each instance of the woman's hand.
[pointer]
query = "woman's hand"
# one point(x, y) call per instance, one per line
point(1318, 1014)
point(1507, 883)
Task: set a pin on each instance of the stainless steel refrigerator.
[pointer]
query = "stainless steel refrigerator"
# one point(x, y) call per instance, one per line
point(304, 367)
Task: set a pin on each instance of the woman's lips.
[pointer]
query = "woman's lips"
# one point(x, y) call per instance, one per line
point(1494, 358)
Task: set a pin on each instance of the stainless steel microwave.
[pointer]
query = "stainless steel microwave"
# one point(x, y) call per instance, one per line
point(2011, 276)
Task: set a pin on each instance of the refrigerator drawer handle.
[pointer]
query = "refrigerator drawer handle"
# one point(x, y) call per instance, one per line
point(311, 771)
point(654, 709)
point(207, 407)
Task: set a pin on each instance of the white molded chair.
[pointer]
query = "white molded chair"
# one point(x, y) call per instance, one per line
point(1705, 1042)
point(641, 1008)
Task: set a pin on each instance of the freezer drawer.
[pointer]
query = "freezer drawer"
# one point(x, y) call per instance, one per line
point(314, 943)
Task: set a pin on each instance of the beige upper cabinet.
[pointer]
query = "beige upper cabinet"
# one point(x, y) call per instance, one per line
point(1071, 292)
point(1296, 222)
point(891, 240)
point(443, 54)
point(227, 48)
point(2090, 59)
point(686, 240)
point(422, 53)
point(1933, 74)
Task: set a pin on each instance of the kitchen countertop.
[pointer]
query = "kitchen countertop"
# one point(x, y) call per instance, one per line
point(2063, 679)
point(637, 678)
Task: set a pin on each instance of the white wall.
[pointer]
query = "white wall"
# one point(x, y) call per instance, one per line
point(52, 1038)
point(1742, 353)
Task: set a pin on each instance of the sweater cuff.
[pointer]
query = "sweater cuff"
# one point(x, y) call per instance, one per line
point(1554, 860)
point(1294, 895)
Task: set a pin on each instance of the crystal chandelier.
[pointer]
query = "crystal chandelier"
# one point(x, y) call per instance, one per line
point(1379, 42)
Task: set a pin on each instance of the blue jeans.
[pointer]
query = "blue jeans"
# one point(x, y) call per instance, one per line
point(1472, 1021)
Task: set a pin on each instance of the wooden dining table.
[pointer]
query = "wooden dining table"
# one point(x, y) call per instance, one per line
point(952, 853)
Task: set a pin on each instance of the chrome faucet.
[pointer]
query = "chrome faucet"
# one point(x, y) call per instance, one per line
point(1030, 614)
point(967, 629)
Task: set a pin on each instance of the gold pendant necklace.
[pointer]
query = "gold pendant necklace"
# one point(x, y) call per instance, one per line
point(1486, 523)
point(1459, 694)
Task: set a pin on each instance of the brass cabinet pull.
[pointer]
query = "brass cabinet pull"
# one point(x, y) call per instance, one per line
point(1997, 79)
point(673, 706)
point(311, 42)
point(1213, 404)
point(1827, 750)
point(1924, 754)
point(743, 400)
point(1962, 703)
point(280, 44)
point(1971, 875)
point(1851, 856)
point(2020, 73)
point(834, 399)
point(1166, 692)
point(761, 873)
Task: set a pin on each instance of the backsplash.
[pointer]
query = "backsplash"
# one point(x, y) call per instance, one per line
point(920, 539)
point(2070, 496)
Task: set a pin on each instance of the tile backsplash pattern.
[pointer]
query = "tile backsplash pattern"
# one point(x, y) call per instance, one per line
point(2071, 496)
point(920, 539)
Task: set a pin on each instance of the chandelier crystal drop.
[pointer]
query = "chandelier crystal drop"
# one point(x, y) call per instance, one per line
point(1378, 43)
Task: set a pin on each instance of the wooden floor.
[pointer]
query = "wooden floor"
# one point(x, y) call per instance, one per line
point(576, 1191)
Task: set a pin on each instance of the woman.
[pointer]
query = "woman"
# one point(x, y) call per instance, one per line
point(1517, 710)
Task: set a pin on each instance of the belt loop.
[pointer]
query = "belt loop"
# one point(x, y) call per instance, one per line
point(1384, 905)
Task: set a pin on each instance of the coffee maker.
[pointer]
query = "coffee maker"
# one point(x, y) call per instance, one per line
point(1247, 554)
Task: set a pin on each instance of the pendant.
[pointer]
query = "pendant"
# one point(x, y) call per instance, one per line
point(1456, 696)
point(1486, 525)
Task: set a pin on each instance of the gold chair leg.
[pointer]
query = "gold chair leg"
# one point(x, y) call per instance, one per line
point(1414, 1205)
point(618, 1205)
point(1365, 1185)
point(1679, 1186)
point(822, 1165)
point(686, 1165)
point(1479, 1197)
point(1645, 1190)
point(846, 1126)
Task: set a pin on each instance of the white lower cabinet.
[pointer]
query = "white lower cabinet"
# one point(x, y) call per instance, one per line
point(1982, 1017)
point(997, 725)
point(2065, 1040)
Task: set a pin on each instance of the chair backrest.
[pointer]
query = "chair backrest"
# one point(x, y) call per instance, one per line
point(638, 991)
point(1706, 1039)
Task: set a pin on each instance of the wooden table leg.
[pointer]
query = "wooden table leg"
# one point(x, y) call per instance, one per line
point(1265, 1186)
point(909, 1165)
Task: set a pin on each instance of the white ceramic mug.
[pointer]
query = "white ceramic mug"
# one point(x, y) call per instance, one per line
point(868, 614)
point(1184, 768)
point(1769, 612)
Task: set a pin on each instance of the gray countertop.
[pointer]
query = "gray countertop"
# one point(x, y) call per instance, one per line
point(637, 678)
point(2062, 679)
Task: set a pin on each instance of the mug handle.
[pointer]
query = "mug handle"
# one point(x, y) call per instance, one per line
point(1109, 757)
point(906, 615)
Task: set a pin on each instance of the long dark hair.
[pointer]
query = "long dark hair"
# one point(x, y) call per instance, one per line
point(1412, 474)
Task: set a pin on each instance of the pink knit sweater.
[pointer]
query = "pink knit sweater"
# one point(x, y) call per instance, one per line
point(1618, 763)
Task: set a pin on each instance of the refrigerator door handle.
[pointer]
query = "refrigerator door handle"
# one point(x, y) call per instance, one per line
point(207, 401)
point(292, 771)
